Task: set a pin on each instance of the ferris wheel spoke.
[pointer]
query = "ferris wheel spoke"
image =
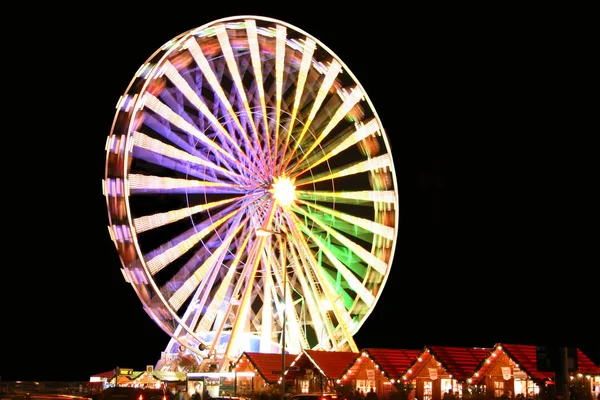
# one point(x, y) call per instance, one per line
point(280, 35)
point(330, 215)
point(213, 301)
point(266, 312)
point(201, 294)
point(247, 293)
point(270, 295)
point(159, 258)
point(383, 162)
point(185, 143)
point(202, 120)
point(349, 102)
point(149, 222)
point(352, 137)
point(257, 68)
point(272, 291)
point(159, 184)
point(307, 54)
point(298, 291)
point(332, 71)
point(324, 292)
point(230, 59)
point(357, 255)
point(165, 112)
point(196, 51)
point(190, 282)
point(364, 197)
point(158, 153)
point(173, 74)
point(303, 288)
point(348, 278)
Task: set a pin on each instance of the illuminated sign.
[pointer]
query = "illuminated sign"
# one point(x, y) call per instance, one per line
point(125, 371)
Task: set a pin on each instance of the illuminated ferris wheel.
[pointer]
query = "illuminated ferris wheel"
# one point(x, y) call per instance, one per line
point(250, 189)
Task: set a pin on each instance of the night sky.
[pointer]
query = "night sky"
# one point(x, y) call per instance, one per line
point(493, 243)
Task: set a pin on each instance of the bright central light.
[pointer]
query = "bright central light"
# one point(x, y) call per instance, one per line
point(283, 190)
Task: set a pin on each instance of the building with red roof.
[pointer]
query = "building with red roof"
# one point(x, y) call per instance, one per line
point(265, 370)
point(319, 370)
point(378, 369)
point(441, 369)
point(512, 370)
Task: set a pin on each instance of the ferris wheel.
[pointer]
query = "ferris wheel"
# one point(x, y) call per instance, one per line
point(250, 189)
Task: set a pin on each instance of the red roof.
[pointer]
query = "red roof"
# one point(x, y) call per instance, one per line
point(526, 357)
point(393, 362)
point(585, 365)
point(268, 365)
point(333, 363)
point(107, 375)
point(460, 362)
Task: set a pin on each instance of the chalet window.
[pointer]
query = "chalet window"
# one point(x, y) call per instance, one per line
point(451, 384)
point(446, 385)
point(365, 385)
point(498, 389)
point(532, 389)
point(304, 385)
point(427, 390)
point(520, 387)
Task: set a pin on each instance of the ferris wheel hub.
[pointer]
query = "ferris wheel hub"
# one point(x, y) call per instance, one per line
point(283, 190)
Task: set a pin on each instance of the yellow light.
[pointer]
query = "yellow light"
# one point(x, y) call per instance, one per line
point(283, 190)
point(260, 232)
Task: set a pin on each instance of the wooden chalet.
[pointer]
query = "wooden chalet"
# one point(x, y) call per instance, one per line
point(511, 370)
point(149, 377)
point(265, 369)
point(378, 369)
point(441, 369)
point(504, 371)
point(318, 370)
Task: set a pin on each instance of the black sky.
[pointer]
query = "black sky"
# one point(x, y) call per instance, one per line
point(490, 246)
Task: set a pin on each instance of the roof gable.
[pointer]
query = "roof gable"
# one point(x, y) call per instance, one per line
point(268, 365)
point(393, 362)
point(460, 362)
point(526, 357)
point(585, 365)
point(333, 364)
